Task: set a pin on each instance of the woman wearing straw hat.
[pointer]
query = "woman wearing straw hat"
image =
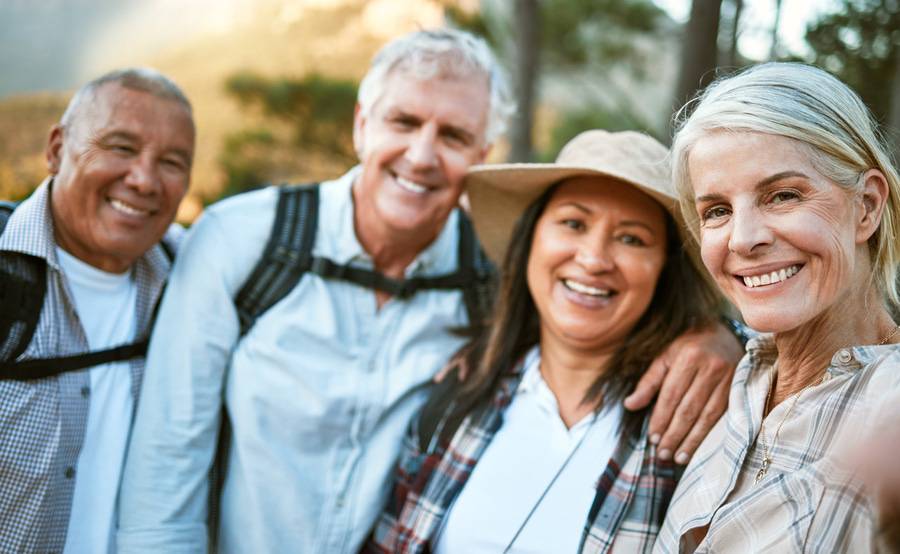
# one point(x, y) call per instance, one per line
point(531, 451)
point(795, 200)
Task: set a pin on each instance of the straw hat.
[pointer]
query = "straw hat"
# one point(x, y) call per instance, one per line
point(499, 193)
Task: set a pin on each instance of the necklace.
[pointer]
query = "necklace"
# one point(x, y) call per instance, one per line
point(550, 484)
point(890, 336)
point(767, 454)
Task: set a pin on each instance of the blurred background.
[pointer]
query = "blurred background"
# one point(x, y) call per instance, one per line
point(273, 82)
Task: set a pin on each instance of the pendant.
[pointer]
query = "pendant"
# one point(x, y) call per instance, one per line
point(762, 471)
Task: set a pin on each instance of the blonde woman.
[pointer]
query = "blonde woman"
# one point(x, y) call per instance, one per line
point(784, 179)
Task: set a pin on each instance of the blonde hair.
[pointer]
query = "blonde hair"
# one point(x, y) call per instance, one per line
point(806, 104)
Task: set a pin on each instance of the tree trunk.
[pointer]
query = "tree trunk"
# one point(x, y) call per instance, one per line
point(528, 24)
point(893, 120)
point(699, 49)
point(735, 32)
point(773, 51)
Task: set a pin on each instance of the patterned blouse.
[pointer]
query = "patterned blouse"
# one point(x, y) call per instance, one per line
point(633, 488)
point(807, 500)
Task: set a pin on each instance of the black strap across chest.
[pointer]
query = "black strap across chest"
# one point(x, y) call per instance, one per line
point(288, 255)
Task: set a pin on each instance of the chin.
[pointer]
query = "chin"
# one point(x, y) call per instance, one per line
point(775, 321)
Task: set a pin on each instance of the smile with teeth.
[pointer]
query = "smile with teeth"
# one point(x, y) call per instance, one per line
point(753, 281)
point(127, 209)
point(586, 289)
point(411, 186)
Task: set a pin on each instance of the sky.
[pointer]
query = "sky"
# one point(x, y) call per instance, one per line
point(56, 44)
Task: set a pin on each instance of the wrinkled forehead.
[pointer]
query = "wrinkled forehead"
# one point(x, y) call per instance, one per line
point(142, 115)
point(111, 103)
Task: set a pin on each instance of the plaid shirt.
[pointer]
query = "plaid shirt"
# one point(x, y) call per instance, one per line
point(633, 489)
point(808, 501)
point(42, 422)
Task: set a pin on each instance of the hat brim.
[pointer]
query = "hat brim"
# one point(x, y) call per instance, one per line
point(499, 194)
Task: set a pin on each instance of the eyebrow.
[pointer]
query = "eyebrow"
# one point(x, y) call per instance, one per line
point(761, 184)
point(462, 132)
point(626, 223)
point(186, 156)
point(124, 135)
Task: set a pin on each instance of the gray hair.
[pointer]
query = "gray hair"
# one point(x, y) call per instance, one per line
point(823, 115)
point(134, 78)
point(441, 53)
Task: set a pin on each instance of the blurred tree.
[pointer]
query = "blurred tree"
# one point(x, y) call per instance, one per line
point(526, 70)
point(312, 116)
point(731, 22)
point(596, 36)
point(699, 54)
point(860, 43)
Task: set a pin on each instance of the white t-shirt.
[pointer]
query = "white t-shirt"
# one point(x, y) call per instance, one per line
point(105, 303)
point(519, 464)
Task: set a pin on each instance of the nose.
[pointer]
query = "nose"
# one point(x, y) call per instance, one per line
point(421, 152)
point(142, 175)
point(594, 256)
point(749, 232)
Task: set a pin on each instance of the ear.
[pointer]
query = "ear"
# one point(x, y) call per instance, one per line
point(54, 149)
point(359, 124)
point(484, 153)
point(872, 200)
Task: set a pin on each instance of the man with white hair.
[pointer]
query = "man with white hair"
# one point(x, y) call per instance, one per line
point(319, 388)
point(83, 257)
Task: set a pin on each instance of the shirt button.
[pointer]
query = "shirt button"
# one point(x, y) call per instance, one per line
point(340, 501)
point(845, 356)
point(85, 392)
point(70, 472)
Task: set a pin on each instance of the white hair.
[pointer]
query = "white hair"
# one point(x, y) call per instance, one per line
point(441, 53)
point(819, 112)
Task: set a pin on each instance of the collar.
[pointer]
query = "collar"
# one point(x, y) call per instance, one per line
point(340, 243)
point(30, 227)
point(763, 353)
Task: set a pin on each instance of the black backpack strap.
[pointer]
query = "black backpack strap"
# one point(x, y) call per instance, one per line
point(287, 256)
point(401, 288)
point(23, 284)
point(480, 275)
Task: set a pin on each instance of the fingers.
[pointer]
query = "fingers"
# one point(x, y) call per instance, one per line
point(692, 404)
point(678, 380)
point(710, 414)
point(442, 373)
point(647, 387)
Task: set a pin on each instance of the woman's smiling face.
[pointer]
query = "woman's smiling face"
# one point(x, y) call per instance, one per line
point(596, 255)
point(780, 239)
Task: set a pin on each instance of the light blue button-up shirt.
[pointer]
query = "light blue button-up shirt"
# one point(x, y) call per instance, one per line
point(319, 392)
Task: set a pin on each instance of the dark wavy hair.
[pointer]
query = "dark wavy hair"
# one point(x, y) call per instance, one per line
point(682, 300)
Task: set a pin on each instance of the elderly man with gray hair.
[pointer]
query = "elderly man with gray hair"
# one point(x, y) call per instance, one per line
point(311, 322)
point(83, 261)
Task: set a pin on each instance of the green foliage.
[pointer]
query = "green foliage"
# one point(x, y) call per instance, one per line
point(580, 32)
point(316, 111)
point(576, 33)
point(245, 158)
point(592, 117)
point(860, 44)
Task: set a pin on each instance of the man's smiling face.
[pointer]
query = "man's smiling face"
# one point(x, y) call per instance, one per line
point(415, 145)
point(121, 167)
